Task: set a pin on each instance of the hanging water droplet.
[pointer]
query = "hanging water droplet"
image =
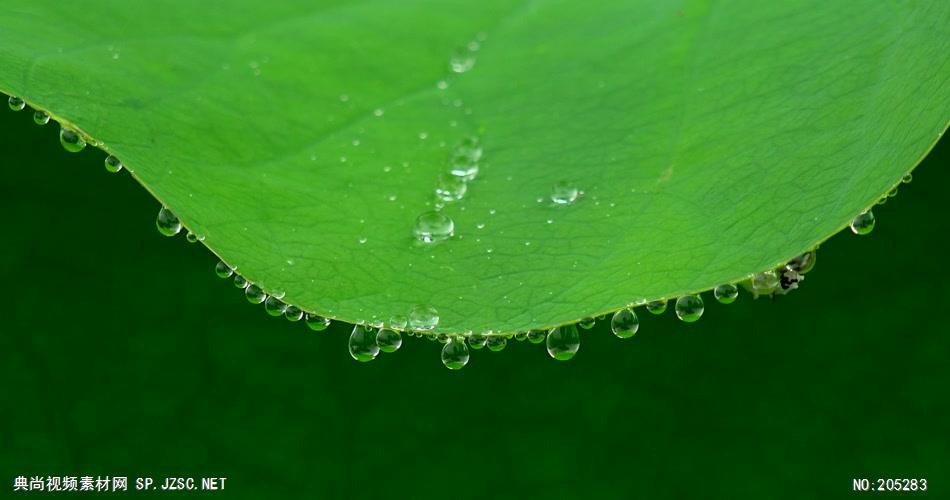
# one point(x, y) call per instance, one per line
point(625, 323)
point(113, 164)
point(564, 193)
point(274, 306)
point(240, 282)
point(167, 223)
point(455, 354)
point(495, 343)
point(803, 263)
point(907, 178)
point(520, 336)
point(450, 187)
point(536, 336)
point(863, 223)
point(398, 322)
point(460, 63)
point(587, 323)
point(222, 270)
point(726, 294)
point(765, 283)
point(388, 340)
point(689, 308)
point(71, 140)
point(40, 117)
point(362, 344)
point(423, 318)
point(476, 341)
point(293, 313)
point(191, 237)
point(657, 306)
point(254, 294)
point(16, 104)
point(892, 193)
point(433, 227)
point(317, 323)
point(563, 342)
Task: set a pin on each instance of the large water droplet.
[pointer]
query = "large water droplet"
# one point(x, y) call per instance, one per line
point(274, 306)
point(564, 193)
point(254, 294)
point(455, 354)
point(496, 343)
point(450, 187)
point(432, 227)
point(689, 308)
point(423, 318)
point(16, 104)
point(388, 340)
point(40, 117)
point(477, 341)
point(726, 294)
point(71, 140)
point(625, 323)
point(563, 342)
point(863, 223)
point(113, 164)
point(536, 336)
point(167, 223)
point(223, 270)
point(362, 344)
point(293, 313)
point(803, 263)
point(657, 306)
point(317, 323)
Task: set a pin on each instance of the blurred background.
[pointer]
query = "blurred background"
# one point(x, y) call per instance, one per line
point(124, 355)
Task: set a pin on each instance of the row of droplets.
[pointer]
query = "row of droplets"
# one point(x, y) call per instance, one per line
point(463, 164)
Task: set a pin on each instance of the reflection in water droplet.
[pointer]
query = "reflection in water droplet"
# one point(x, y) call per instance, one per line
point(520, 336)
point(764, 283)
point(432, 227)
point(167, 223)
point(907, 178)
point(362, 344)
point(293, 313)
point(460, 63)
point(388, 340)
point(16, 104)
point(71, 140)
point(496, 342)
point(40, 117)
point(536, 336)
point(398, 322)
point(222, 270)
point(191, 237)
point(625, 323)
point(450, 187)
point(726, 294)
point(113, 164)
point(689, 308)
point(587, 323)
point(254, 294)
point(476, 341)
point(240, 282)
point(803, 263)
point(563, 193)
point(563, 342)
point(274, 306)
point(863, 223)
point(423, 318)
point(317, 323)
point(657, 306)
point(455, 354)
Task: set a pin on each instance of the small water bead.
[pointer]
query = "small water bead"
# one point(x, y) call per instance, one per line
point(113, 164)
point(378, 112)
point(765, 283)
point(388, 340)
point(423, 318)
point(240, 282)
point(254, 294)
point(71, 140)
point(907, 178)
point(398, 322)
point(442, 338)
point(520, 336)
point(274, 306)
point(463, 166)
point(293, 313)
point(433, 227)
point(803, 263)
point(625, 323)
point(863, 223)
point(167, 223)
point(16, 104)
point(40, 117)
point(455, 354)
point(726, 294)
point(536, 336)
point(689, 308)
point(563, 342)
point(223, 270)
point(460, 63)
point(564, 193)
point(496, 343)
point(450, 187)
point(317, 323)
point(362, 344)
point(477, 341)
point(587, 323)
point(191, 237)
point(657, 306)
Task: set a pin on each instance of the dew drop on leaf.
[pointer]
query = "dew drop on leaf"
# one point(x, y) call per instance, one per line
point(564, 193)
point(167, 223)
point(362, 344)
point(293, 313)
point(587, 323)
point(450, 187)
point(40, 117)
point(274, 306)
point(254, 294)
point(433, 227)
point(625, 323)
point(496, 343)
point(388, 340)
point(657, 306)
point(455, 354)
point(563, 342)
point(863, 223)
point(113, 164)
point(71, 140)
point(16, 104)
point(223, 270)
point(317, 323)
point(689, 308)
point(477, 341)
point(423, 318)
point(536, 336)
point(726, 293)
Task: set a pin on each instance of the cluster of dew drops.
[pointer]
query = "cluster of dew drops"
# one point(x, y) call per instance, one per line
point(562, 342)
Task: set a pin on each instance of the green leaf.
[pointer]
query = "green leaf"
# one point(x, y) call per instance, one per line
point(710, 141)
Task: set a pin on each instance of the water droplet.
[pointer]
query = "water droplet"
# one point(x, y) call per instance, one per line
point(16, 104)
point(240, 282)
point(317, 323)
point(191, 237)
point(455, 354)
point(520, 336)
point(477, 341)
point(432, 227)
point(388, 340)
point(40, 117)
point(293, 313)
point(450, 187)
point(442, 338)
point(378, 112)
point(587, 323)
point(625, 323)
point(362, 239)
point(689, 308)
point(362, 344)
point(564, 193)
point(803, 263)
point(460, 63)
point(657, 306)
point(223, 270)
point(765, 283)
point(254, 294)
point(892, 193)
point(113, 164)
point(442, 84)
point(423, 318)
point(274, 306)
point(463, 167)
point(71, 140)
point(563, 342)
point(863, 223)
point(398, 322)
point(167, 223)
point(496, 343)
point(907, 178)
point(726, 294)
point(536, 336)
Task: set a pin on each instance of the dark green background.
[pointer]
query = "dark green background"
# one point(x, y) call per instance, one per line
point(123, 354)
